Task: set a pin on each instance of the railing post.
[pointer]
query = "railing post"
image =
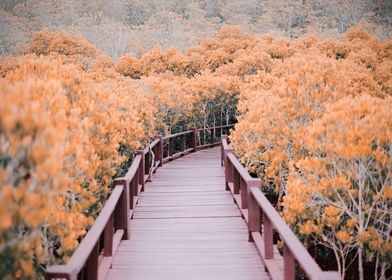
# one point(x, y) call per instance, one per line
point(92, 263)
point(160, 150)
point(254, 212)
point(194, 139)
point(236, 181)
point(171, 146)
point(212, 136)
point(182, 143)
point(141, 168)
point(244, 194)
point(135, 185)
point(268, 238)
point(289, 264)
point(223, 137)
point(122, 210)
point(155, 151)
point(147, 164)
point(108, 238)
point(228, 168)
point(131, 193)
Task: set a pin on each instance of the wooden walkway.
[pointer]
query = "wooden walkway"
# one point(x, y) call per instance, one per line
point(186, 226)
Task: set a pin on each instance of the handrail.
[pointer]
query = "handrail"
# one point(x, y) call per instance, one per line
point(88, 249)
point(182, 143)
point(262, 219)
point(177, 134)
point(151, 146)
point(113, 221)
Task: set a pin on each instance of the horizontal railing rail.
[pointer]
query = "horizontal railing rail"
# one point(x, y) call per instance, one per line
point(263, 219)
point(93, 258)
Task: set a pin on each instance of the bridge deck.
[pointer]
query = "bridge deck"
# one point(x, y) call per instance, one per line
point(186, 226)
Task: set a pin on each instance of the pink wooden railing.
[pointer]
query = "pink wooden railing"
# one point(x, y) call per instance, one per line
point(170, 147)
point(92, 260)
point(263, 219)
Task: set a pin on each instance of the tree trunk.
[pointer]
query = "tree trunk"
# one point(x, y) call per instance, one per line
point(221, 117)
point(337, 257)
point(221, 121)
point(383, 270)
point(360, 264)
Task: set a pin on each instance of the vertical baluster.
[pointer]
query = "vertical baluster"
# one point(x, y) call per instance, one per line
point(121, 216)
point(141, 168)
point(212, 136)
point(194, 139)
point(289, 264)
point(171, 146)
point(182, 143)
point(268, 238)
point(236, 181)
point(108, 238)
point(135, 181)
point(254, 212)
point(131, 192)
point(147, 164)
point(244, 194)
point(155, 151)
point(231, 173)
point(228, 168)
point(92, 263)
point(223, 138)
point(160, 150)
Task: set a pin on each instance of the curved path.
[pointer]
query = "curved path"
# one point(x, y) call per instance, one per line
point(186, 226)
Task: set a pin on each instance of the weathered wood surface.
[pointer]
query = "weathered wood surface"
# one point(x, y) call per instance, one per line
point(186, 226)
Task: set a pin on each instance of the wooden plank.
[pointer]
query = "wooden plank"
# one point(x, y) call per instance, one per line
point(169, 236)
point(210, 208)
point(175, 214)
point(184, 259)
point(180, 203)
point(189, 273)
point(185, 244)
point(183, 200)
point(186, 226)
point(181, 191)
point(190, 224)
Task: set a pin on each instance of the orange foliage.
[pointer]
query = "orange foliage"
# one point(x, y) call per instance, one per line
point(304, 105)
point(320, 108)
point(61, 131)
point(45, 42)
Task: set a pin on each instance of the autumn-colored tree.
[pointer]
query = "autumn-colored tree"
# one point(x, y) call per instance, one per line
point(197, 88)
point(340, 193)
point(313, 114)
point(304, 80)
point(65, 129)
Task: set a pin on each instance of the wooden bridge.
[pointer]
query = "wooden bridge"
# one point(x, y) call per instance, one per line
point(193, 219)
